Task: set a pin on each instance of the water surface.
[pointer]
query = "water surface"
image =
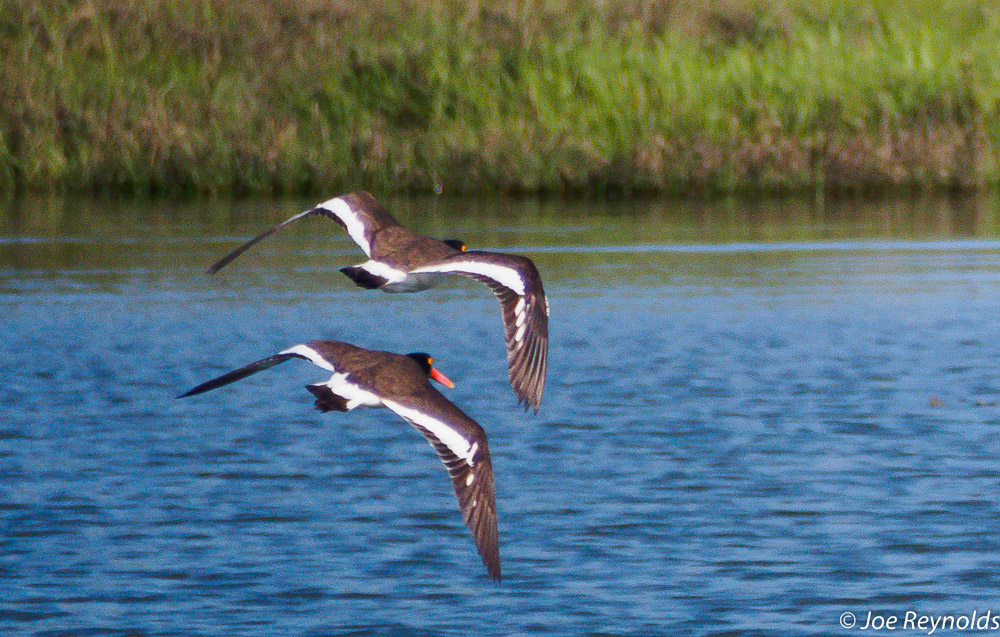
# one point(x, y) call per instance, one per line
point(758, 416)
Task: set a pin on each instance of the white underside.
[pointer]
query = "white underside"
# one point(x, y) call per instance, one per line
point(415, 282)
point(399, 280)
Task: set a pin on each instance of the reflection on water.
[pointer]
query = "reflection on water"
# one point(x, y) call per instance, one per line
point(551, 222)
point(73, 233)
point(758, 415)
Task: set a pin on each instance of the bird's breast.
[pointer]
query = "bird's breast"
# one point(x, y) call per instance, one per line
point(415, 282)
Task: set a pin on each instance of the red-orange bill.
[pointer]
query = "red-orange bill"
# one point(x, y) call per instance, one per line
point(441, 378)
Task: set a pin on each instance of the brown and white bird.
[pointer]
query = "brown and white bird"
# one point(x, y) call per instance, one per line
point(400, 260)
point(367, 378)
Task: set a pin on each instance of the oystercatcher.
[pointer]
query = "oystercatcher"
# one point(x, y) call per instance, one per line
point(403, 261)
point(367, 378)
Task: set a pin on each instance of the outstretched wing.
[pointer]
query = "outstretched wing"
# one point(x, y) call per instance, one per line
point(461, 445)
point(305, 352)
point(518, 287)
point(238, 374)
point(357, 212)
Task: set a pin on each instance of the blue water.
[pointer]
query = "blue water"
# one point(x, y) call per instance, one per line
point(736, 436)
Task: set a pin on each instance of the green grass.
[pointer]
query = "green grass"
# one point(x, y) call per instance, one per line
point(151, 96)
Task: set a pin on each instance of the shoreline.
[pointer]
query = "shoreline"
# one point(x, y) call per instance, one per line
point(539, 99)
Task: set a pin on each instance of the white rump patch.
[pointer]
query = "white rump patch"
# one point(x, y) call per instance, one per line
point(455, 441)
point(356, 397)
point(506, 276)
point(351, 219)
point(311, 355)
point(380, 269)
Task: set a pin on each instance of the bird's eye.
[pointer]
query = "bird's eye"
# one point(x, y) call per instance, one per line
point(430, 360)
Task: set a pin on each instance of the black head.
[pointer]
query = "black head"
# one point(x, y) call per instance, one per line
point(426, 362)
point(455, 243)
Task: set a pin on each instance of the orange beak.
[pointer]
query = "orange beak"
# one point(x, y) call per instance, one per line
point(441, 378)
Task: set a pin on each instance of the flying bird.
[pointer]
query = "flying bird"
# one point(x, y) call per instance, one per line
point(400, 260)
point(367, 378)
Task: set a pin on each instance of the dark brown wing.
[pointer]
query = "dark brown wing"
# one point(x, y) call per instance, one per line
point(239, 374)
point(357, 212)
point(461, 445)
point(324, 354)
point(518, 286)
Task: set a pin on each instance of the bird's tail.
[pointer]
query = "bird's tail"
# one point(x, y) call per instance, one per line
point(363, 278)
point(326, 400)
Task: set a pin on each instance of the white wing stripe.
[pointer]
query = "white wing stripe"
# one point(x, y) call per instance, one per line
point(508, 277)
point(311, 355)
point(451, 438)
point(355, 227)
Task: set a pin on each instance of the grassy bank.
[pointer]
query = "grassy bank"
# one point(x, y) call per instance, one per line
point(675, 96)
